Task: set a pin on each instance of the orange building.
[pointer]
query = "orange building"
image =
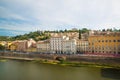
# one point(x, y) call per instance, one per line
point(105, 43)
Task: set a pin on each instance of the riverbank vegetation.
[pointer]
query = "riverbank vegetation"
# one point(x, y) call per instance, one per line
point(75, 64)
point(3, 60)
point(62, 62)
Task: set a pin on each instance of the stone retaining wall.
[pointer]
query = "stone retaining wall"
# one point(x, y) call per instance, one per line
point(93, 59)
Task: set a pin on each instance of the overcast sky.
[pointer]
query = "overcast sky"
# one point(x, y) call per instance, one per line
point(31, 15)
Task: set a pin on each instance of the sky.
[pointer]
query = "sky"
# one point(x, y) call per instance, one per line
point(22, 16)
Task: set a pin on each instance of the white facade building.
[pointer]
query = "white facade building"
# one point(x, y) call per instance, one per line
point(82, 46)
point(62, 44)
point(56, 44)
point(69, 46)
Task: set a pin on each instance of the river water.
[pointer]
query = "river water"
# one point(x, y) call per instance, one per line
point(23, 70)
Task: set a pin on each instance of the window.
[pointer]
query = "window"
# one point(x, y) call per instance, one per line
point(114, 52)
point(118, 40)
point(102, 48)
point(114, 40)
point(118, 52)
point(106, 40)
point(99, 41)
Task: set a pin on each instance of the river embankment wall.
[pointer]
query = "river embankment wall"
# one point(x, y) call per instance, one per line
point(104, 60)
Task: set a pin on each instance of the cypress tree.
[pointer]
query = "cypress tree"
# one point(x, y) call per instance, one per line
point(79, 34)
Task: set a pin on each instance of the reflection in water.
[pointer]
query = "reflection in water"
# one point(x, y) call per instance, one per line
point(23, 70)
point(110, 73)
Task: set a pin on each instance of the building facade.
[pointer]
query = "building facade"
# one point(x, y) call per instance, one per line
point(13, 46)
point(62, 45)
point(56, 44)
point(105, 43)
point(43, 46)
point(82, 46)
point(22, 45)
point(69, 46)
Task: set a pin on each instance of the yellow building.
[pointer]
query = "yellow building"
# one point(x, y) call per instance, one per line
point(13, 47)
point(6, 44)
point(9, 43)
point(31, 50)
point(3, 43)
point(105, 43)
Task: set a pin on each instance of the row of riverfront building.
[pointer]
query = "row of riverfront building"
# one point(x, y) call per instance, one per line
point(92, 42)
point(69, 43)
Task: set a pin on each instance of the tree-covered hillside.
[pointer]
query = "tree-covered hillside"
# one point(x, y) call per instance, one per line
point(37, 35)
point(40, 35)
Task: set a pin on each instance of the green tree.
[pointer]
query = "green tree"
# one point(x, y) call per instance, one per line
point(84, 30)
point(115, 30)
point(2, 47)
point(4, 38)
point(61, 31)
point(103, 30)
point(65, 30)
point(79, 34)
